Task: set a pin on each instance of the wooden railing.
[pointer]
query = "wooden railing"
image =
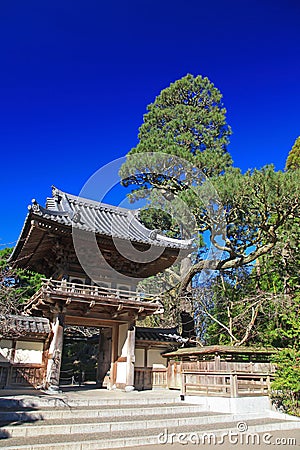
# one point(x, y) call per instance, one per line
point(228, 366)
point(21, 375)
point(174, 375)
point(31, 375)
point(150, 378)
point(159, 378)
point(224, 378)
point(95, 291)
point(229, 384)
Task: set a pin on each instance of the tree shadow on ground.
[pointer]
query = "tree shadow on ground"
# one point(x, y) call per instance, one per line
point(15, 412)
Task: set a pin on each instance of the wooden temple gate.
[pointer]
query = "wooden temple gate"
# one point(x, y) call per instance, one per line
point(93, 306)
point(93, 255)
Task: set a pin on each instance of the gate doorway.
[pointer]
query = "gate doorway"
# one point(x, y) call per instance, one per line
point(86, 357)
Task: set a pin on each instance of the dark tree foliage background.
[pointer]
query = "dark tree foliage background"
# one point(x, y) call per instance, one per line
point(16, 287)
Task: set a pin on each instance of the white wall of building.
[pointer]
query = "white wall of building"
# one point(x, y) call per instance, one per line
point(139, 357)
point(28, 352)
point(121, 372)
point(122, 344)
point(5, 350)
point(155, 359)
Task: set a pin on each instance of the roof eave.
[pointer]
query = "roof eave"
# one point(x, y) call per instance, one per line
point(22, 238)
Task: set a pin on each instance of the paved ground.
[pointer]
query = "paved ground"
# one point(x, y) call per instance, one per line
point(87, 392)
point(76, 395)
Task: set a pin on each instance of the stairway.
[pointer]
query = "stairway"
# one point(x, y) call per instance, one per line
point(133, 420)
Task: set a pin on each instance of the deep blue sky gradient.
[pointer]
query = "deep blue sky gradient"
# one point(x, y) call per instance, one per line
point(76, 77)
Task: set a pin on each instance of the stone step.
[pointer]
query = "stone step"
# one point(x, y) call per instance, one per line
point(138, 438)
point(96, 424)
point(71, 427)
point(98, 412)
point(118, 420)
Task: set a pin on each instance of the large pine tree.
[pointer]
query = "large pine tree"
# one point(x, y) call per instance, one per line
point(293, 159)
point(188, 121)
point(182, 157)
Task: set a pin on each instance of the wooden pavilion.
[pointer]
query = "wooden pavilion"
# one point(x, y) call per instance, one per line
point(221, 370)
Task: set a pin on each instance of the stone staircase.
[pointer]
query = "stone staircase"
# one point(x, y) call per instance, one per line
point(129, 421)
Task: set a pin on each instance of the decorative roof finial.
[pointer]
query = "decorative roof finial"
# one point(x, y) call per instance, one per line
point(35, 207)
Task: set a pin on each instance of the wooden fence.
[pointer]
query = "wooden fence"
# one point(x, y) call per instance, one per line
point(15, 375)
point(220, 378)
point(150, 378)
point(225, 384)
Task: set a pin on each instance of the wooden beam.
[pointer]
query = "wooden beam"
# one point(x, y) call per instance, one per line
point(91, 321)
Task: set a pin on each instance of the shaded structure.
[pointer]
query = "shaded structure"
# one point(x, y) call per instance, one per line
point(24, 355)
point(150, 366)
point(93, 256)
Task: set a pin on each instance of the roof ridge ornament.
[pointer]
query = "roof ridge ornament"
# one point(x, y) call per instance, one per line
point(153, 233)
point(76, 217)
point(55, 192)
point(35, 207)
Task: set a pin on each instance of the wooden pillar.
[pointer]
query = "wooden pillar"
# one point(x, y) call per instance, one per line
point(98, 373)
point(10, 368)
point(268, 381)
point(130, 357)
point(183, 385)
point(55, 351)
point(146, 356)
point(104, 358)
point(114, 354)
point(234, 385)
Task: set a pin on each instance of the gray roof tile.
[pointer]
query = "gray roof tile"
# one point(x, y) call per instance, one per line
point(157, 334)
point(101, 218)
point(30, 325)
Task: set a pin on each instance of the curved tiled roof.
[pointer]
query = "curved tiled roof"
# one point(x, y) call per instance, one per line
point(157, 334)
point(102, 219)
point(221, 349)
point(30, 325)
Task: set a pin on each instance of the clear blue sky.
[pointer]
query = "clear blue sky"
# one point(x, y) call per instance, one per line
point(76, 77)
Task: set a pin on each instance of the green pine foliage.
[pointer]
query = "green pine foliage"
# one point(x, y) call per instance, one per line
point(23, 283)
point(286, 385)
point(164, 285)
point(157, 219)
point(186, 120)
point(16, 287)
point(293, 159)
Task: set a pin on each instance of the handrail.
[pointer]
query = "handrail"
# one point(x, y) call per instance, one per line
point(95, 290)
point(225, 383)
point(227, 373)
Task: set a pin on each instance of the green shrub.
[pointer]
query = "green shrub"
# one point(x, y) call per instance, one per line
point(286, 385)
